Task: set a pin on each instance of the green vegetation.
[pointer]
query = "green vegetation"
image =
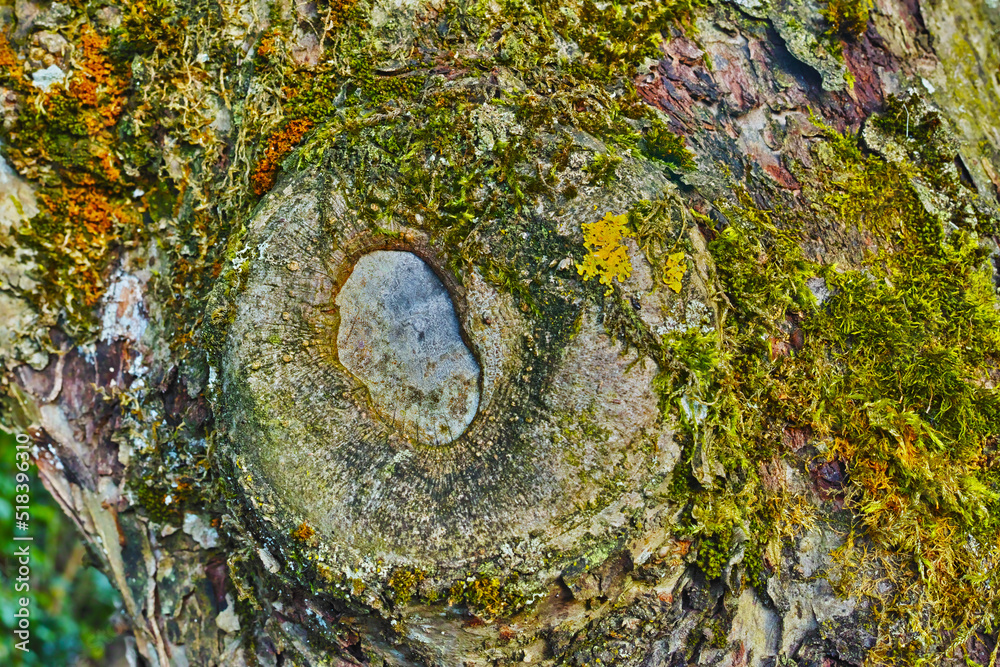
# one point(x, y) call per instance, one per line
point(847, 18)
point(894, 376)
point(71, 602)
point(487, 597)
point(662, 144)
point(403, 584)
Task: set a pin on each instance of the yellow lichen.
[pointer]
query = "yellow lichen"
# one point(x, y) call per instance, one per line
point(673, 272)
point(607, 258)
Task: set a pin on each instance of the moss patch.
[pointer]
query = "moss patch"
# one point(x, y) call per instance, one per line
point(894, 374)
point(487, 597)
point(847, 18)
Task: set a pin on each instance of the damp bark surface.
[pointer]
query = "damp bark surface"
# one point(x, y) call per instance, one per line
point(435, 334)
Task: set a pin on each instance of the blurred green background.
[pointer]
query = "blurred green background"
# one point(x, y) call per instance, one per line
point(72, 603)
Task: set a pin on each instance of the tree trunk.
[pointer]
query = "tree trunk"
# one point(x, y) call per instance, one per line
point(393, 333)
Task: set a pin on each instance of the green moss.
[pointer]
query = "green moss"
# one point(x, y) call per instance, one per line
point(488, 597)
point(891, 370)
point(760, 264)
point(602, 169)
point(163, 503)
point(627, 32)
point(660, 143)
point(396, 88)
point(148, 24)
point(847, 18)
point(713, 554)
point(754, 572)
point(403, 584)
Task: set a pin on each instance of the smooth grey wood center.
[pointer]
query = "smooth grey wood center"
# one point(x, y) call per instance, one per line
point(399, 335)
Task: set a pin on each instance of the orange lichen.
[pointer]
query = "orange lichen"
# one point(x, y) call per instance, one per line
point(80, 224)
point(279, 146)
point(95, 84)
point(108, 161)
point(266, 48)
point(304, 532)
point(8, 59)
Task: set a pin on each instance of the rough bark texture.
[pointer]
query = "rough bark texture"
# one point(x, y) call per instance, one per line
point(710, 371)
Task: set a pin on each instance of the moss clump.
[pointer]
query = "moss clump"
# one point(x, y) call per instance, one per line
point(713, 554)
point(847, 18)
point(662, 144)
point(163, 503)
point(934, 162)
point(628, 32)
point(754, 572)
point(603, 168)
point(487, 597)
point(399, 87)
point(340, 12)
point(148, 24)
point(403, 584)
point(775, 281)
point(908, 119)
point(894, 371)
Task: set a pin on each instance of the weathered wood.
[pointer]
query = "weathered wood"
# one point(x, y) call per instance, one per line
point(644, 218)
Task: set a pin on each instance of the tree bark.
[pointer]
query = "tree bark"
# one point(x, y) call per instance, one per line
point(404, 333)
